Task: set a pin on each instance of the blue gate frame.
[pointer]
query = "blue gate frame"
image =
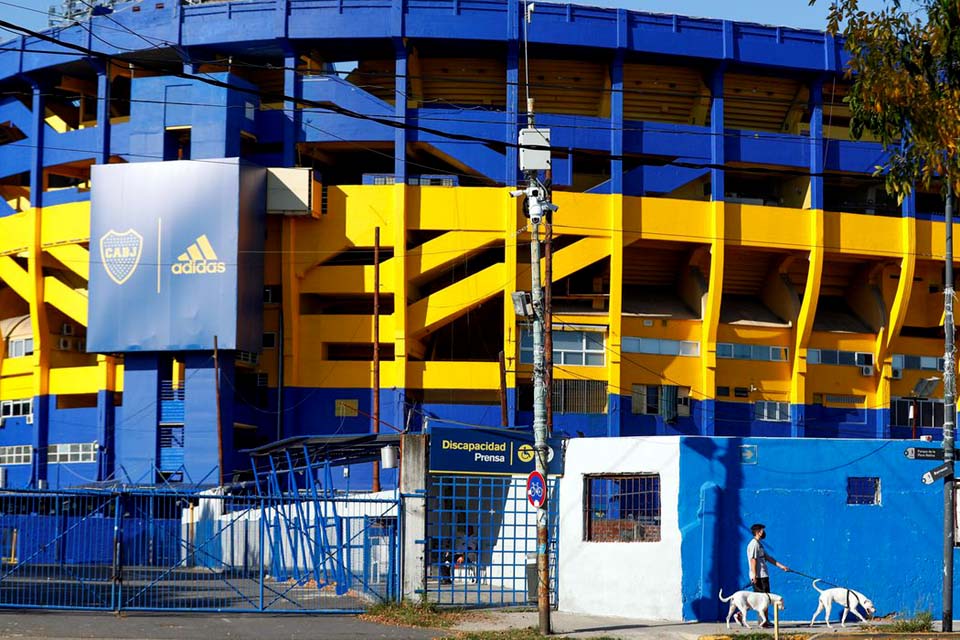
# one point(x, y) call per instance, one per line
point(163, 550)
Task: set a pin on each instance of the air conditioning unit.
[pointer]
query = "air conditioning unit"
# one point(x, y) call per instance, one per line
point(66, 329)
point(896, 374)
point(866, 370)
point(65, 344)
point(29, 418)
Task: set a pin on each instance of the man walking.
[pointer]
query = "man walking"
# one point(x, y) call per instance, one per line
point(757, 558)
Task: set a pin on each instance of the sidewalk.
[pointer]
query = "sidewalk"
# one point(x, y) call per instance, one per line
point(584, 626)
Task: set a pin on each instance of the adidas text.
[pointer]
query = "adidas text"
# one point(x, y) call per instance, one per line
point(185, 268)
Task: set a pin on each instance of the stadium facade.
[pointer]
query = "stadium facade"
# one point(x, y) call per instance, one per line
point(724, 263)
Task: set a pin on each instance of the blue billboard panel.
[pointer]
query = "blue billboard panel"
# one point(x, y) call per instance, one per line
point(489, 451)
point(176, 256)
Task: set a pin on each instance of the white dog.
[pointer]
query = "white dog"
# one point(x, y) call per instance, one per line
point(743, 600)
point(846, 598)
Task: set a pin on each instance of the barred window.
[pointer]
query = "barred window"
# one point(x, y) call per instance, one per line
point(832, 398)
point(73, 452)
point(863, 490)
point(16, 454)
point(621, 508)
point(579, 396)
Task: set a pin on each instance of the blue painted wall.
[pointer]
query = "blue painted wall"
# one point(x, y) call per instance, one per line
point(798, 488)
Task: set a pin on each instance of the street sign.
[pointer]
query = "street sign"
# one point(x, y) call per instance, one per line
point(935, 474)
point(923, 453)
point(536, 489)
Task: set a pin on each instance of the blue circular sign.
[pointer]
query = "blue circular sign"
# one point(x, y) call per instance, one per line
point(536, 489)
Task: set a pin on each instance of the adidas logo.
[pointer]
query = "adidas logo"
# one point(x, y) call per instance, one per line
point(198, 258)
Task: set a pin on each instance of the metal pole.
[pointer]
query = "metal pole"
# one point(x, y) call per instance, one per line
point(548, 306)
point(216, 380)
point(950, 416)
point(376, 348)
point(504, 418)
point(540, 429)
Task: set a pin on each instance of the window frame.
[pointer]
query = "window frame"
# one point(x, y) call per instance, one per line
point(646, 520)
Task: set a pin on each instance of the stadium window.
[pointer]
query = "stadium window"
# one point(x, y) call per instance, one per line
point(16, 454)
point(586, 348)
point(73, 452)
point(863, 490)
point(770, 411)
point(621, 508)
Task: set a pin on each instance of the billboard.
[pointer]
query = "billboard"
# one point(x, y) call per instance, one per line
point(176, 256)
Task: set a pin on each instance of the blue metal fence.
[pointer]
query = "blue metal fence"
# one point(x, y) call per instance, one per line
point(163, 550)
point(482, 541)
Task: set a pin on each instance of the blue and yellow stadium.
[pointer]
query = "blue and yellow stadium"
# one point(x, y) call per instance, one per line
point(192, 195)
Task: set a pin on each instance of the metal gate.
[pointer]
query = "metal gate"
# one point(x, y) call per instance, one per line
point(164, 550)
point(482, 541)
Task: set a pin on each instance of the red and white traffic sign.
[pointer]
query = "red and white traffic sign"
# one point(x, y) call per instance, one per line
point(536, 489)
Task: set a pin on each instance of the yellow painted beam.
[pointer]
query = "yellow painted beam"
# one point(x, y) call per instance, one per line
point(73, 257)
point(347, 279)
point(65, 224)
point(345, 328)
point(511, 335)
point(15, 277)
point(428, 259)
point(17, 387)
point(67, 380)
point(578, 255)
point(454, 301)
point(71, 302)
point(453, 375)
point(808, 307)
point(15, 233)
point(883, 362)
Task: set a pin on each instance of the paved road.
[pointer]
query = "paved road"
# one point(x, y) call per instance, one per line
point(186, 626)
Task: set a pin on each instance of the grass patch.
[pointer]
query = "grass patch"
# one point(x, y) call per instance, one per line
point(920, 622)
point(413, 614)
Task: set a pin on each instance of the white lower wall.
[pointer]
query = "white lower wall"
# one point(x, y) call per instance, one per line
point(628, 579)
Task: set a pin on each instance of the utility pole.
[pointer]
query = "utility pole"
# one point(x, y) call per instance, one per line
point(949, 415)
point(534, 157)
point(375, 484)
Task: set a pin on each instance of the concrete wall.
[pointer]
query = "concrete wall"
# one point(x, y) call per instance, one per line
point(641, 580)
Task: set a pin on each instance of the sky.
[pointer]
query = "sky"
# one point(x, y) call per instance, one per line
point(791, 13)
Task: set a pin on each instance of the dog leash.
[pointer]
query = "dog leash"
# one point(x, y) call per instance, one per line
point(806, 575)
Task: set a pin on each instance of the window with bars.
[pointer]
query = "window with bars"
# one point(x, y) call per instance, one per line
point(926, 412)
point(73, 452)
point(580, 396)
point(863, 490)
point(569, 348)
point(621, 508)
point(16, 454)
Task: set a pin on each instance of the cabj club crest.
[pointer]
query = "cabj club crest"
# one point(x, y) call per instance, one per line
point(120, 253)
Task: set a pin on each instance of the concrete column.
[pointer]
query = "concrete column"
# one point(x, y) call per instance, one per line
point(413, 489)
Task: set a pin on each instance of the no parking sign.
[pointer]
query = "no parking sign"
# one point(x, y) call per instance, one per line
point(536, 489)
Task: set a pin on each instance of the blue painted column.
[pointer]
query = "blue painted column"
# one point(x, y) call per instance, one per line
point(200, 444)
point(616, 116)
point(292, 87)
point(106, 423)
point(817, 144)
point(40, 437)
point(36, 140)
point(103, 115)
point(717, 132)
point(135, 438)
point(400, 112)
point(510, 130)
